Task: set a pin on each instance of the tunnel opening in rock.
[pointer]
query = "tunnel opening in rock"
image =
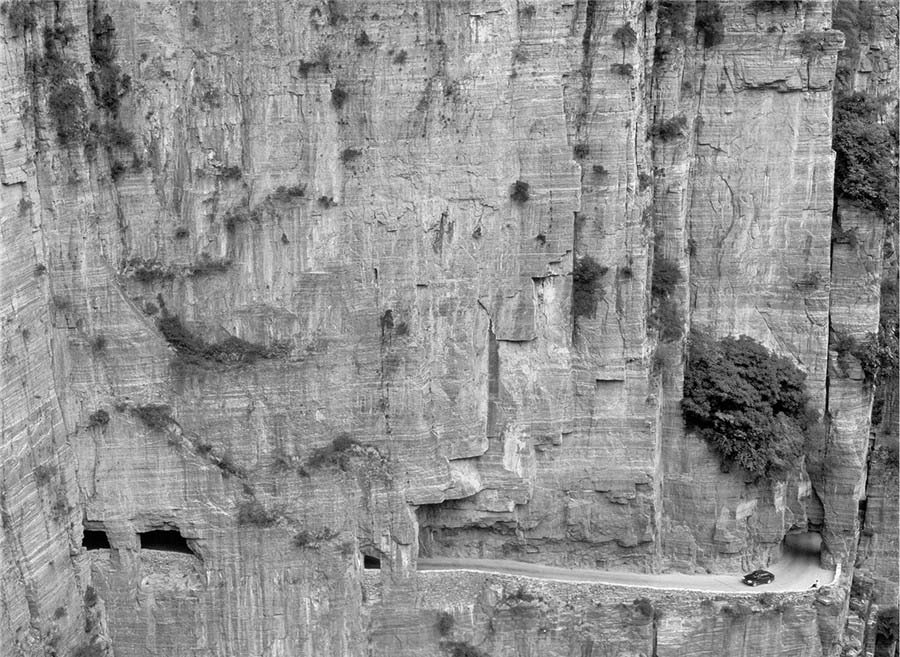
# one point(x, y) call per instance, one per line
point(371, 563)
point(94, 539)
point(164, 540)
point(803, 544)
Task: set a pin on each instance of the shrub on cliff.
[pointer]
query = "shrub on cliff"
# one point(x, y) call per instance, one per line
point(520, 191)
point(747, 402)
point(625, 36)
point(20, 14)
point(585, 286)
point(445, 622)
point(461, 649)
point(154, 416)
point(865, 166)
point(64, 97)
point(669, 129)
point(887, 632)
point(666, 316)
point(107, 81)
point(708, 22)
point(672, 18)
point(335, 454)
point(252, 512)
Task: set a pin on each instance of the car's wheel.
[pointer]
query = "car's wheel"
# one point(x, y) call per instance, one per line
point(753, 584)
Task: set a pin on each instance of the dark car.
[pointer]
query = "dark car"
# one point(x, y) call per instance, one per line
point(758, 577)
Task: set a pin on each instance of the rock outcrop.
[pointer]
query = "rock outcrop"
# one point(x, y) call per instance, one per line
point(300, 289)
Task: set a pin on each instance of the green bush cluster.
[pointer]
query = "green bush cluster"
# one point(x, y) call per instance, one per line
point(461, 649)
point(585, 286)
point(708, 22)
point(252, 512)
point(284, 193)
point(445, 623)
point(65, 99)
point(666, 314)
point(305, 538)
point(772, 5)
point(644, 607)
point(520, 191)
point(194, 349)
point(348, 155)
point(98, 418)
point(337, 453)
point(887, 632)
point(339, 96)
point(672, 18)
point(865, 167)
point(20, 14)
point(107, 82)
point(747, 402)
point(669, 129)
point(625, 36)
point(155, 416)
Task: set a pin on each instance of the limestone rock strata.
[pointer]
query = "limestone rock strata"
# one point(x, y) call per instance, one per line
point(303, 302)
point(506, 615)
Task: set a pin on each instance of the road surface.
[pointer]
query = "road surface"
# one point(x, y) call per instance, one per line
point(794, 572)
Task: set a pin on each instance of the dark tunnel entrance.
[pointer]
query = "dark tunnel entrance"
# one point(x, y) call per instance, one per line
point(94, 539)
point(371, 563)
point(165, 540)
point(807, 544)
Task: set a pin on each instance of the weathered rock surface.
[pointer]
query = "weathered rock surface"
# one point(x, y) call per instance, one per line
point(375, 349)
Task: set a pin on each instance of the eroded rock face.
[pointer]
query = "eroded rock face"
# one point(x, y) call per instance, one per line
point(318, 312)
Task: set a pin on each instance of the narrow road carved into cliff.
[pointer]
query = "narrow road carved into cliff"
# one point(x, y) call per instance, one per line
point(794, 572)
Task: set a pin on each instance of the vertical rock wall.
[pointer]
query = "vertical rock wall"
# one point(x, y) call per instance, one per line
point(743, 200)
point(303, 292)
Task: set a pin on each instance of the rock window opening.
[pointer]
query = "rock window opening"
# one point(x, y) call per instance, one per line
point(371, 563)
point(165, 540)
point(94, 540)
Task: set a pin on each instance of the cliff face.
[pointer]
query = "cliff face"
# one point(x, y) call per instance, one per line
point(306, 284)
point(749, 178)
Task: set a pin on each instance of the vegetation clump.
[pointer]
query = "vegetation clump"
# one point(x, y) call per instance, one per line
point(194, 349)
point(308, 539)
point(445, 623)
point(865, 167)
point(672, 18)
point(65, 99)
point(669, 129)
point(147, 271)
point(98, 418)
point(338, 96)
point(284, 193)
point(585, 286)
point(747, 402)
point(337, 453)
point(107, 82)
point(520, 191)
point(350, 154)
point(887, 632)
point(666, 315)
point(252, 512)
point(772, 5)
point(625, 36)
point(20, 14)
point(461, 649)
point(708, 22)
point(154, 416)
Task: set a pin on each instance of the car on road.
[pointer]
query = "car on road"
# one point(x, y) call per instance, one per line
point(758, 577)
